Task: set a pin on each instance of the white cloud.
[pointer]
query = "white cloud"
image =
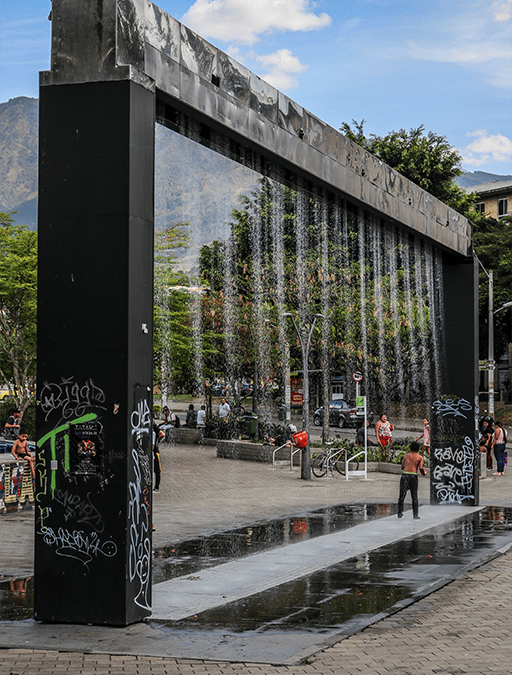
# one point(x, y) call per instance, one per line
point(487, 148)
point(244, 21)
point(281, 67)
point(476, 52)
point(473, 40)
point(503, 10)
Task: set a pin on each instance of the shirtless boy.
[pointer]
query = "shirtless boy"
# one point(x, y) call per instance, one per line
point(411, 464)
point(21, 452)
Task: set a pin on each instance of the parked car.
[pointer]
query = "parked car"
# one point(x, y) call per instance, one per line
point(4, 392)
point(219, 389)
point(342, 414)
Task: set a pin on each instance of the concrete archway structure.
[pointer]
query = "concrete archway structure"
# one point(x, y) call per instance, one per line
point(117, 66)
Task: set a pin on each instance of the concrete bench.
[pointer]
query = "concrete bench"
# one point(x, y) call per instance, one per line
point(184, 435)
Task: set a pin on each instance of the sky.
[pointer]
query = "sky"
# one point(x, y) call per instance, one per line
point(397, 64)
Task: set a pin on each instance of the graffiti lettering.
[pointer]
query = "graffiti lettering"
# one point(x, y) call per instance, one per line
point(69, 398)
point(77, 544)
point(451, 407)
point(77, 508)
point(139, 512)
point(452, 476)
point(141, 417)
point(451, 496)
point(139, 559)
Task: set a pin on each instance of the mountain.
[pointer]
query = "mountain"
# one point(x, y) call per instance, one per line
point(18, 156)
point(192, 183)
point(473, 178)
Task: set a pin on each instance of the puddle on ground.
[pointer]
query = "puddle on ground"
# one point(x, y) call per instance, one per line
point(346, 595)
point(189, 556)
point(16, 599)
point(341, 598)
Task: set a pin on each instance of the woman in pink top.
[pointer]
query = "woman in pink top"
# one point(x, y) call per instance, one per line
point(498, 443)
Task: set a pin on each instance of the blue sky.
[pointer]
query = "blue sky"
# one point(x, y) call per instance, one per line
point(446, 64)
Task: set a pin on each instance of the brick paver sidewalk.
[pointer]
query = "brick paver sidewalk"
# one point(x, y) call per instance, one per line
point(462, 628)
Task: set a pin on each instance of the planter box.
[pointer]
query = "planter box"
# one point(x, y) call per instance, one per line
point(253, 452)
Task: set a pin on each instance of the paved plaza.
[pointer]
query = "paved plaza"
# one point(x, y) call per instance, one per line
point(463, 627)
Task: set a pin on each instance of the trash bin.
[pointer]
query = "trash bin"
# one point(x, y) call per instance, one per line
point(251, 425)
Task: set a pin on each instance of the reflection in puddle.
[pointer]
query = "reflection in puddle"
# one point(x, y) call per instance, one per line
point(192, 555)
point(347, 594)
point(341, 597)
point(16, 599)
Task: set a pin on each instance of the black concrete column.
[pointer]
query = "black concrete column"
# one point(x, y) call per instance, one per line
point(454, 451)
point(94, 392)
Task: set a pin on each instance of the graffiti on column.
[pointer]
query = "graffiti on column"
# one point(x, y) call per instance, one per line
point(70, 398)
point(139, 506)
point(453, 452)
point(73, 453)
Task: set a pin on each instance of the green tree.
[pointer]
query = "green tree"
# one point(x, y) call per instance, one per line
point(426, 159)
point(322, 267)
point(18, 305)
point(493, 246)
point(172, 324)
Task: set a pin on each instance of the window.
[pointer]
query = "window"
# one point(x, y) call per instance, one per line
point(480, 208)
point(502, 207)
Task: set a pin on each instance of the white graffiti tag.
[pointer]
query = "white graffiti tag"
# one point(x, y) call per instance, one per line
point(77, 544)
point(69, 398)
point(139, 557)
point(453, 474)
point(452, 407)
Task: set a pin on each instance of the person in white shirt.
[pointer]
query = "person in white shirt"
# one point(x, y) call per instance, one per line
point(201, 416)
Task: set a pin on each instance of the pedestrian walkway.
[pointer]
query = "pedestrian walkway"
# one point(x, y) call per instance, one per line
point(461, 628)
point(184, 596)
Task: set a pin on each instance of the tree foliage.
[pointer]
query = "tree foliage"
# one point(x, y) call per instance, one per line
point(18, 305)
point(298, 252)
point(493, 246)
point(426, 159)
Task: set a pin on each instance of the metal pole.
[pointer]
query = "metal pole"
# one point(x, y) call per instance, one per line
point(491, 344)
point(305, 470)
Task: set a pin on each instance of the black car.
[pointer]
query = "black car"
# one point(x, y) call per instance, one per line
point(341, 414)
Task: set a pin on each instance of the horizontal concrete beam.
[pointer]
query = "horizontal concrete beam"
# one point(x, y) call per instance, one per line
point(135, 39)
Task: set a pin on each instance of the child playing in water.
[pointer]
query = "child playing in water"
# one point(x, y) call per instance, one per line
point(21, 452)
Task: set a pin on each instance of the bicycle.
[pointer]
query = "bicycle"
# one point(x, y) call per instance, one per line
point(333, 459)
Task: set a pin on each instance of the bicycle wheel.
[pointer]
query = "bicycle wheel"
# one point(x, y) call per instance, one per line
point(340, 463)
point(319, 465)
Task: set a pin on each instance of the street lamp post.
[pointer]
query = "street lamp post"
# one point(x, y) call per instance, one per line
point(305, 343)
point(490, 327)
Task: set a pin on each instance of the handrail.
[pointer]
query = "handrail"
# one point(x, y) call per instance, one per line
point(350, 459)
point(291, 456)
point(287, 444)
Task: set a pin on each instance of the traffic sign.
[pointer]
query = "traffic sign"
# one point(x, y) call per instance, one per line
point(357, 376)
